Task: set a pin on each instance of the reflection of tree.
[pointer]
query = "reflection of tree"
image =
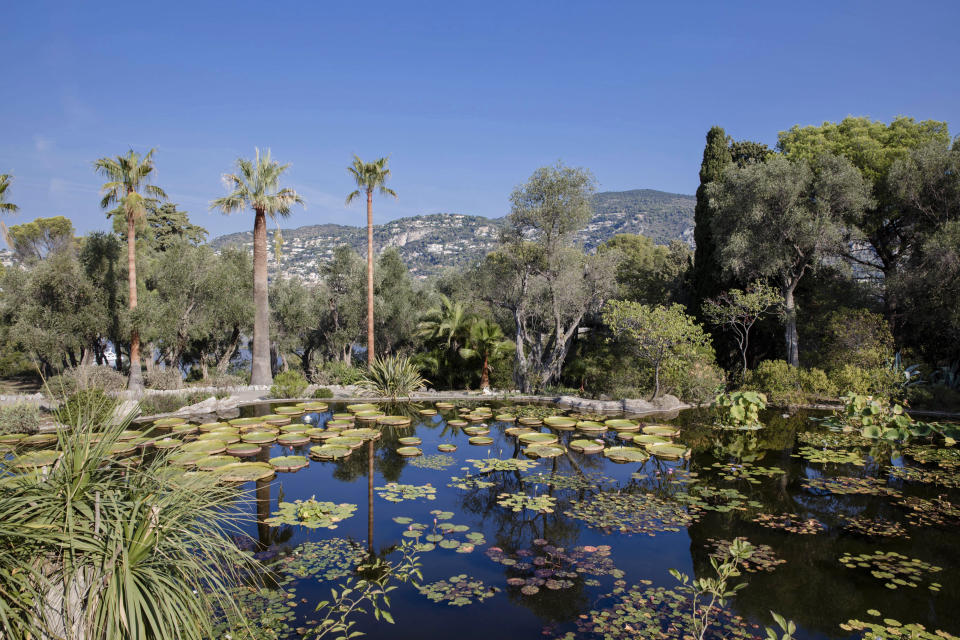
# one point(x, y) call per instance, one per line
point(268, 536)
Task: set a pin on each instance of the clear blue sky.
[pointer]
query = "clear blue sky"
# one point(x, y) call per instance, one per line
point(467, 98)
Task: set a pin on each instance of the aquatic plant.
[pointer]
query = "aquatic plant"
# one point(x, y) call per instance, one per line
point(457, 591)
point(394, 492)
point(488, 465)
point(790, 522)
point(830, 456)
point(847, 485)
point(517, 502)
point(891, 629)
point(441, 533)
point(436, 461)
point(630, 513)
point(894, 569)
point(311, 513)
point(571, 481)
point(761, 558)
point(329, 559)
point(742, 408)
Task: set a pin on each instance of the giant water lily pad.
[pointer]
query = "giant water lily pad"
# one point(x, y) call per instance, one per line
point(247, 422)
point(184, 429)
point(209, 447)
point(446, 447)
point(340, 441)
point(480, 430)
point(130, 434)
point(210, 463)
point(289, 410)
point(667, 451)
point(354, 408)
point(621, 425)
point(210, 426)
point(289, 463)
point(411, 441)
point(292, 439)
point(505, 417)
point(537, 438)
point(537, 451)
point(316, 406)
point(35, 459)
point(646, 438)
point(427, 412)
point(246, 471)
point(312, 514)
point(297, 427)
point(339, 425)
point(368, 416)
point(661, 430)
point(243, 449)
point(586, 446)
point(362, 433)
point(560, 423)
point(187, 459)
point(39, 440)
point(168, 422)
point(394, 421)
point(409, 451)
point(591, 427)
point(259, 437)
point(530, 422)
point(457, 423)
point(10, 440)
point(222, 436)
point(168, 443)
point(624, 455)
point(482, 441)
point(330, 452)
point(516, 432)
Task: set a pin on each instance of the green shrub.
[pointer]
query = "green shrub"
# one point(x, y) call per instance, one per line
point(166, 378)
point(792, 385)
point(22, 417)
point(880, 381)
point(92, 376)
point(335, 372)
point(169, 402)
point(288, 384)
point(86, 407)
point(698, 382)
point(323, 392)
point(855, 337)
point(393, 376)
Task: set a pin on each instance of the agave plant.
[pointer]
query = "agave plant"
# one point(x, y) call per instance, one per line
point(99, 550)
point(392, 376)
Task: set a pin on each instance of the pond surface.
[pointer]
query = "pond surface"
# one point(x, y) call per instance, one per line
point(615, 531)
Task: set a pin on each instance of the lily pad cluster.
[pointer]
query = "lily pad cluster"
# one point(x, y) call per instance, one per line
point(441, 533)
point(745, 471)
point(457, 591)
point(940, 477)
point(548, 566)
point(847, 485)
point(517, 502)
point(892, 629)
point(894, 569)
point(329, 559)
point(762, 558)
point(394, 492)
point(875, 527)
point(705, 497)
point(488, 465)
point(312, 514)
point(630, 513)
point(436, 461)
point(934, 512)
point(570, 481)
point(790, 522)
point(830, 456)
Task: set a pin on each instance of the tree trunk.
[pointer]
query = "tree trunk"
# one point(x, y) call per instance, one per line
point(370, 497)
point(790, 324)
point(148, 362)
point(260, 373)
point(370, 352)
point(485, 375)
point(135, 381)
point(224, 361)
point(656, 381)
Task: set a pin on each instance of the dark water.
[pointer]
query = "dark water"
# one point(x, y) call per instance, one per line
point(811, 587)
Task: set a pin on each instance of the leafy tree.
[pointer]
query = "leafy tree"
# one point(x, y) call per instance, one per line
point(342, 324)
point(293, 313)
point(781, 219)
point(662, 336)
point(873, 147)
point(257, 185)
point(36, 240)
point(855, 337)
point(395, 297)
point(738, 310)
point(647, 272)
point(370, 177)
point(546, 285)
point(485, 341)
point(129, 187)
point(100, 257)
point(444, 328)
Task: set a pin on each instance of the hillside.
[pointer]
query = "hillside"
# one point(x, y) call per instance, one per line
point(430, 243)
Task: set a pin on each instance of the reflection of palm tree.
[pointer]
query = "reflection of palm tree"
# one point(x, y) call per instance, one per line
point(370, 497)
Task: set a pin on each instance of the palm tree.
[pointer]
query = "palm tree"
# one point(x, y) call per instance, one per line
point(256, 185)
point(369, 176)
point(129, 186)
point(446, 326)
point(6, 207)
point(485, 341)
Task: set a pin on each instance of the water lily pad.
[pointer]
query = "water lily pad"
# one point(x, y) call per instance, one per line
point(517, 502)
point(246, 472)
point(537, 438)
point(312, 514)
point(409, 451)
point(339, 425)
point(368, 416)
point(188, 459)
point(330, 452)
point(39, 440)
point(518, 431)
point(394, 421)
point(210, 426)
point(315, 433)
point(362, 433)
point(289, 463)
point(480, 440)
point(209, 447)
point(297, 427)
point(209, 463)
point(168, 443)
point(247, 422)
point(35, 459)
point(505, 417)
point(243, 449)
point(457, 423)
point(544, 451)
point(444, 405)
point(342, 416)
point(446, 447)
point(354, 408)
point(586, 446)
point(293, 439)
point(591, 427)
point(394, 492)
point(457, 591)
point(626, 454)
point(411, 441)
point(664, 430)
point(9, 440)
point(288, 410)
point(340, 441)
point(259, 437)
point(168, 422)
point(530, 422)
point(667, 451)
point(620, 425)
point(646, 438)
point(427, 412)
point(481, 430)
point(316, 406)
point(130, 434)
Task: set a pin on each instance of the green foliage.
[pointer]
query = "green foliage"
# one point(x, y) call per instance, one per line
point(786, 384)
point(737, 311)
point(881, 381)
point(84, 377)
point(648, 273)
point(323, 392)
point(787, 626)
point(288, 384)
point(33, 241)
point(154, 404)
point(338, 373)
point(855, 337)
point(743, 407)
point(164, 378)
point(665, 338)
point(21, 417)
point(876, 417)
point(85, 407)
point(311, 514)
point(392, 376)
point(709, 594)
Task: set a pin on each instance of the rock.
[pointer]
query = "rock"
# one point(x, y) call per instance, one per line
point(668, 402)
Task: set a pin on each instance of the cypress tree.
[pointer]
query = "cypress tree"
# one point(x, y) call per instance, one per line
point(707, 280)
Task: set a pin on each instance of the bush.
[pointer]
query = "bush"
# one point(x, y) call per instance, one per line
point(335, 372)
point(19, 418)
point(393, 376)
point(288, 384)
point(856, 337)
point(86, 407)
point(85, 377)
point(879, 381)
point(221, 380)
point(786, 384)
point(699, 381)
point(323, 392)
point(167, 378)
point(170, 402)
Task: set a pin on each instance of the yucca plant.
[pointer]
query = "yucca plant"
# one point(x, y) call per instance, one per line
point(393, 376)
point(94, 549)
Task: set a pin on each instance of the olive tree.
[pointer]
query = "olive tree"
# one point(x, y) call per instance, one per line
point(738, 310)
point(782, 219)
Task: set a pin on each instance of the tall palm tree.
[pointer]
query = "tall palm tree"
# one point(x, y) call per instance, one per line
point(370, 176)
point(485, 341)
point(129, 187)
point(256, 185)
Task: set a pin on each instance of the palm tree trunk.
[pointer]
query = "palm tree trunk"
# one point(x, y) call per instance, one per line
point(370, 351)
point(485, 375)
point(260, 367)
point(135, 382)
point(370, 497)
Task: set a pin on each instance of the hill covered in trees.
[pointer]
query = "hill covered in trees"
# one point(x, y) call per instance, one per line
point(431, 243)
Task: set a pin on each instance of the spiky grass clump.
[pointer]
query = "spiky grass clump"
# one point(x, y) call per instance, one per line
point(97, 550)
point(392, 376)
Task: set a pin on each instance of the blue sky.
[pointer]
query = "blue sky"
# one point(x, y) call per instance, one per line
point(467, 98)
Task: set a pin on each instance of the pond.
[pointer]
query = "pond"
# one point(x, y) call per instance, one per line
point(845, 529)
